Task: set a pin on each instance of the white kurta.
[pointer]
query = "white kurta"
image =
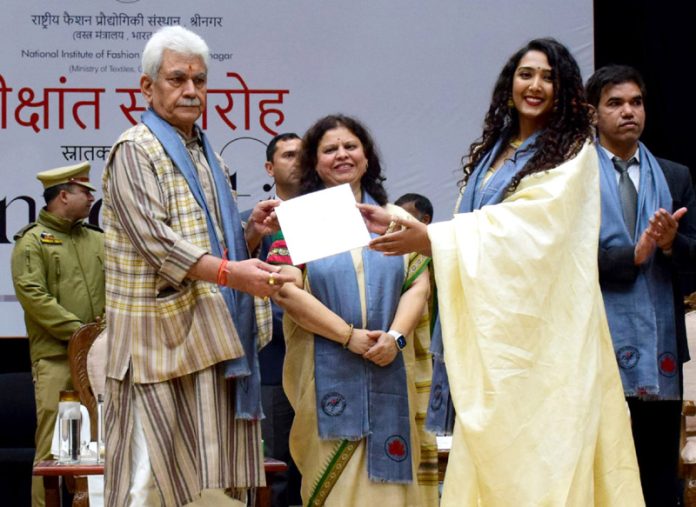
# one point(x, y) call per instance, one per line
point(541, 417)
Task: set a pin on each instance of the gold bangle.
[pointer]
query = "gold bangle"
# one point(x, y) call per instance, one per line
point(350, 334)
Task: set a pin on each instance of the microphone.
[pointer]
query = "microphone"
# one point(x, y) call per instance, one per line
point(267, 187)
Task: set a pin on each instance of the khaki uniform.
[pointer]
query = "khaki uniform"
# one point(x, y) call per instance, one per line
point(58, 275)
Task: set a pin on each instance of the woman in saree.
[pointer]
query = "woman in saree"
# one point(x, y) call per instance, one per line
point(531, 387)
point(354, 372)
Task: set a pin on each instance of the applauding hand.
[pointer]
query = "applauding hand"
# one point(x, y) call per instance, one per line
point(663, 227)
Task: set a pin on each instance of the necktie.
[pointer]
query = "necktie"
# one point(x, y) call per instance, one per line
point(627, 194)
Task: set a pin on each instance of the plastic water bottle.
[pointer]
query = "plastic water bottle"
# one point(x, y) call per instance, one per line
point(70, 425)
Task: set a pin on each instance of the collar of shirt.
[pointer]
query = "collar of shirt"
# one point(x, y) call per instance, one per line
point(193, 141)
point(636, 155)
point(633, 169)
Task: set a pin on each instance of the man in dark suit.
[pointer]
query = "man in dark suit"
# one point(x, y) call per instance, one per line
point(647, 241)
point(281, 165)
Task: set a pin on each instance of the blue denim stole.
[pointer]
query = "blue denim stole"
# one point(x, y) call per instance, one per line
point(355, 397)
point(441, 413)
point(641, 315)
point(240, 304)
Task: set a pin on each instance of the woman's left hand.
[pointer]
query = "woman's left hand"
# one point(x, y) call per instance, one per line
point(262, 222)
point(384, 351)
point(412, 237)
point(263, 217)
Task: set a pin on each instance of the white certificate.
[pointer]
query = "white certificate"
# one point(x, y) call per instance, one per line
point(322, 224)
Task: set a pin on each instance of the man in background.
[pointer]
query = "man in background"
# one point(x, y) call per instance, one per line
point(417, 205)
point(647, 241)
point(421, 209)
point(58, 275)
point(281, 165)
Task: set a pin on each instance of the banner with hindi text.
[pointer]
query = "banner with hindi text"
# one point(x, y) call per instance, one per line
point(419, 74)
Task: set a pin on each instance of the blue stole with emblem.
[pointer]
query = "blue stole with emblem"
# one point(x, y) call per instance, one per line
point(641, 315)
point(477, 193)
point(355, 397)
point(240, 304)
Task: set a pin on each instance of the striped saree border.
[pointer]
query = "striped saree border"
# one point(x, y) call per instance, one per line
point(333, 470)
point(416, 266)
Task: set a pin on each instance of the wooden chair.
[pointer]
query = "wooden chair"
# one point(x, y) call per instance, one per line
point(78, 350)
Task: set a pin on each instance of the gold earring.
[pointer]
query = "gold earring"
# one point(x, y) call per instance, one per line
point(510, 103)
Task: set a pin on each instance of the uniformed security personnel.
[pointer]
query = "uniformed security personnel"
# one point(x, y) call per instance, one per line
point(57, 271)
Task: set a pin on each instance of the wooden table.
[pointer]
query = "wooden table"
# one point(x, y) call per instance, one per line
point(52, 471)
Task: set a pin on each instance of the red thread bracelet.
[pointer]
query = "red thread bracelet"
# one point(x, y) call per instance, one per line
point(222, 273)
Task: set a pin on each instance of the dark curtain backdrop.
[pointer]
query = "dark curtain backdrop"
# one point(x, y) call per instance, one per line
point(659, 39)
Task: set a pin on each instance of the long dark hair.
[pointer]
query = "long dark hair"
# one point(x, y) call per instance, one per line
point(371, 182)
point(568, 125)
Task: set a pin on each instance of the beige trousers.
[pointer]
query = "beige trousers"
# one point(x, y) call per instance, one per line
point(51, 375)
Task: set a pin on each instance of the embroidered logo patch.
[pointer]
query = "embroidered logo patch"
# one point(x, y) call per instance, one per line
point(396, 448)
point(333, 404)
point(668, 364)
point(436, 397)
point(627, 357)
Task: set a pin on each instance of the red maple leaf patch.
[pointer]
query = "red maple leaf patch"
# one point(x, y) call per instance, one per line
point(668, 364)
point(396, 448)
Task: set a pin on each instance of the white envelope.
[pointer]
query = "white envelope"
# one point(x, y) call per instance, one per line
point(322, 224)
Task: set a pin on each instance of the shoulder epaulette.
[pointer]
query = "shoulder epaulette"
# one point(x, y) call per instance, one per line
point(24, 230)
point(92, 226)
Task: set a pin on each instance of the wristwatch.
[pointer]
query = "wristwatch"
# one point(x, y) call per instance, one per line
point(398, 338)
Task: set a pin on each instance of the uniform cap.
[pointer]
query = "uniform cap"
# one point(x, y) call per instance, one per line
point(77, 174)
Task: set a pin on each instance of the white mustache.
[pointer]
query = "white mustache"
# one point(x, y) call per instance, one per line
point(189, 102)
